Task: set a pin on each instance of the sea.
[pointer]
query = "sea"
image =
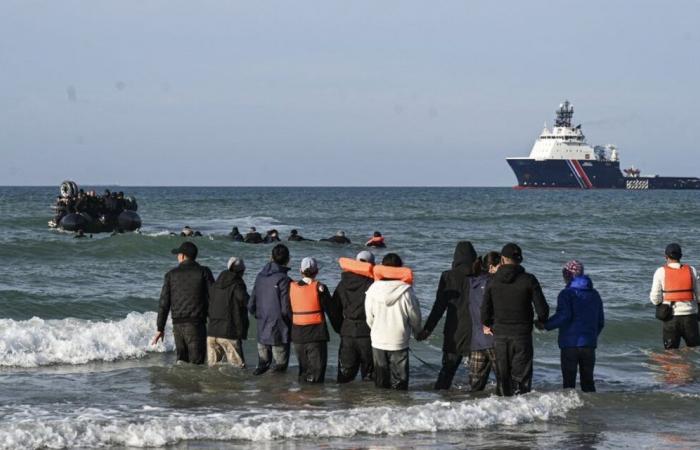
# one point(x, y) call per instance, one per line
point(77, 368)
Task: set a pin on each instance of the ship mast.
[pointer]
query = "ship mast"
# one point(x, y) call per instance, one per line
point(564, 115)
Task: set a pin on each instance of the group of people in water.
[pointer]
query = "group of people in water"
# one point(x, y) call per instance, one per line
point(110, 204)
point(253, 236)
point(490, 303)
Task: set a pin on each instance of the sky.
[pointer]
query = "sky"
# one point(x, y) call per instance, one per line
point(339, 93)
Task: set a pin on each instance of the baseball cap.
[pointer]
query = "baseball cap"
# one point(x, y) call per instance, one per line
point(512, 251)
point(364, 255)
point(186, 248)
point(309, 264)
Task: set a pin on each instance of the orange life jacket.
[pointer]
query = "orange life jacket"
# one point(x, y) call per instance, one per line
point(393, 273)
point(678, 284)
point(377, 240)
point(362, 268)
point(306, 305)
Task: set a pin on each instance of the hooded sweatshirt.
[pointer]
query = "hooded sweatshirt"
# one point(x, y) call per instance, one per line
point(347, 310)
point(579, 315)
point(228, 316)
point(508, 302)
point(269, 304)
point(453, 296)
point(392, 311)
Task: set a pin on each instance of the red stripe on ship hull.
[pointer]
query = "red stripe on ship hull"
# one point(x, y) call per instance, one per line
point(582, 173)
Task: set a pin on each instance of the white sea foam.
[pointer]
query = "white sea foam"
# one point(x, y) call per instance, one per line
point(37, 342)
point(31, 427)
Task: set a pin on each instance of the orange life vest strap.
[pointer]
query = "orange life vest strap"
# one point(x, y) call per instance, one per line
point(678, 284)
point(393, 273)
point(306, 305)
point(376, 240)
point(362, 268)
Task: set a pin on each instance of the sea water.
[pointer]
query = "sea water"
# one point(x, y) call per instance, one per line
point(77, 316)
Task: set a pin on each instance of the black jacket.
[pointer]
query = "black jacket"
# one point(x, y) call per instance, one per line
point(508, 302)
point(337, 240)
point(303, 334)
point(453, 296)
point(185, 293)
point(236, 237)
point(347, 307)
point(253, 238)
point(228, 301)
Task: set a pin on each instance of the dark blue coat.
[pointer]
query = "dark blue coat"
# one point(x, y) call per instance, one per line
point(477, 286)
point(269, 304)
point(579, 315)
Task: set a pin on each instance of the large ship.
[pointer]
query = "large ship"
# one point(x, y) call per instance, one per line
point(561, 158)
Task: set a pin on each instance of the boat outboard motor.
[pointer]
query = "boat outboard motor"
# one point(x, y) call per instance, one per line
point(128, 221)
point(75, 222)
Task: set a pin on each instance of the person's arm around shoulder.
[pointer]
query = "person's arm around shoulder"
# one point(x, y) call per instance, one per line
point(163, 309)
point(656, 295)
point(538, 300)
point(563, 315)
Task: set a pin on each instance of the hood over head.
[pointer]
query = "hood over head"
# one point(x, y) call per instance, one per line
point(507, 273)
point(226, 278)
point(390, 290)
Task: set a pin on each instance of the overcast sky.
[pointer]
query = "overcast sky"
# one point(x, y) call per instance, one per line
point(337, 92)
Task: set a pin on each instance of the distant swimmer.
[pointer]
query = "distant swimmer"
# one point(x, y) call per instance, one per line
point(236, 235)
point(377, 240)
point(339, 238)
point(271, 236)
point(228, 316)
point(185, 294)
point(309, 301)
point(189, 232)
point(294, 236)
point(580, 320)
point(676, 291)
point(253, 237)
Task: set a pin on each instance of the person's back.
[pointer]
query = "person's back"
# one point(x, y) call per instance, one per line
point(235, 235)
point(269, 304)
point(392, 311)
point(583, 317)
point(253, 237)
point(339, 238)
point(185, 296)
point(482, 357)
point(228, 315)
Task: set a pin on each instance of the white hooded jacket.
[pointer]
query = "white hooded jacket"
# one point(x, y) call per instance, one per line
point(392, 311)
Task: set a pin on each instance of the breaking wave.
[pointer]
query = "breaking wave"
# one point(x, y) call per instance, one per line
point(37, 342)
point(33, 427)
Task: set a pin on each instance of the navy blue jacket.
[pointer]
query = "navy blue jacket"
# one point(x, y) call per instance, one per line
point(269, 304)
point(477, 286)
point(579, 315)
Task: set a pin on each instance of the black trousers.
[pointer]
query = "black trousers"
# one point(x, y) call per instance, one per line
point(190, 342)
point(312, 357)
point(355, 355)
point(514, 364)
point(678, 327)
point(391, 369)
point(578, 359)
point(450, 364)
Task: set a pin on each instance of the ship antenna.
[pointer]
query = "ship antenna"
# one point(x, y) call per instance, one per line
point(564, 115)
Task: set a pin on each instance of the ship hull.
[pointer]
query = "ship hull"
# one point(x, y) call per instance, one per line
point(566, 173)
point(584, 174)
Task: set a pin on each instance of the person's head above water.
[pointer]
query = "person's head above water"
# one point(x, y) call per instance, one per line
point(251, 230)
point(673, 252)
point(365, 256)
point(186, 250)
point(340, 233)
point(511, 254)
point(187, 231)
point(377, 234)
point(392, 260)
point(234, 230)
point(293, 232)
point(280, 254)
point(309, 267)
point(571, 270)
